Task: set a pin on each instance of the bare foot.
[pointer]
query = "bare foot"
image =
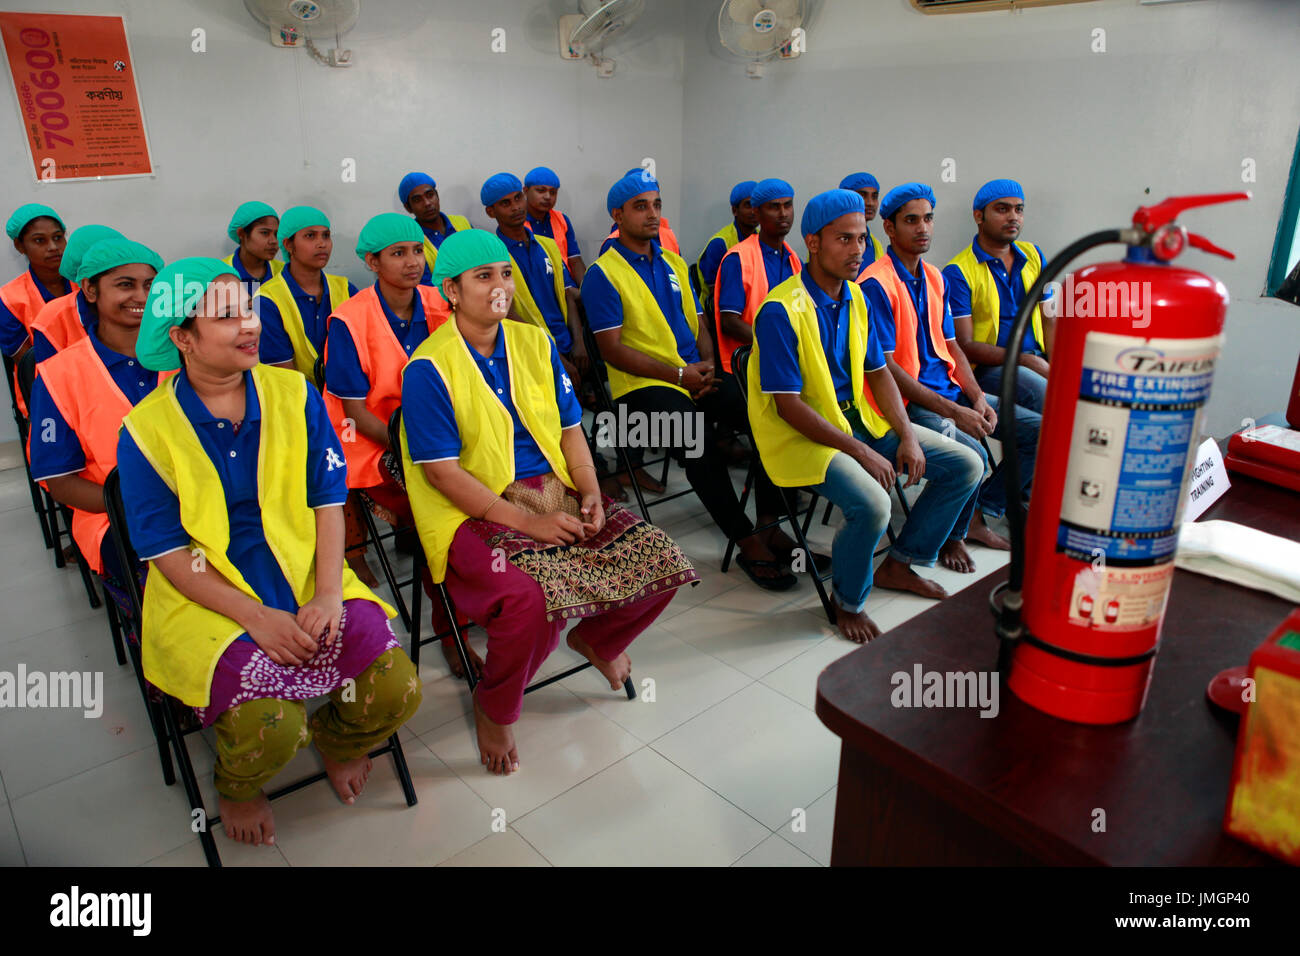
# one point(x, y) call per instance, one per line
point(496, 743)
point(248, 821)
point(348, 776)
point(858, 628)
point(453, 659)
point(954, 556)
point(643, 479)
point(615, 671)
point(981, 532)
point(897, 576)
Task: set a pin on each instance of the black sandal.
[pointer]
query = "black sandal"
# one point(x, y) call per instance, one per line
point(784, 582)
point(821, 561)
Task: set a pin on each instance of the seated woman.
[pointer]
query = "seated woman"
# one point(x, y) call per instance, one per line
point(256, 260)
point(84, 392)
point(38, 235)
point(505, 497)
point(295, 305)
point(249, 610)
point(64, 320)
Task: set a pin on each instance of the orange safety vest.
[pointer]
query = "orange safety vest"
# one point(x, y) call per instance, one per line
point(906, 345)
point(667, 238)
point(93, 406)
point(753, 273)
point(559, 232)
point(23, 298)
point(60, 322)
point(382, 359)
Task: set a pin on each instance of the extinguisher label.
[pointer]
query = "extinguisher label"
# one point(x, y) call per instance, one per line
point(1135, 425)
point(1120, 599)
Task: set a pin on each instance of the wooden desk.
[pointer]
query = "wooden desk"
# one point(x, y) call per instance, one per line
point(945, 786)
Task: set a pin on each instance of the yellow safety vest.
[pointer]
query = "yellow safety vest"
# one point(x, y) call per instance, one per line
point(986, 304)
point(182, 640)
point(645, 328)
point(730, 236)
point(304, 352)
point(486, 428)
point(459, 223)
point(791, 459)
point(525, 305)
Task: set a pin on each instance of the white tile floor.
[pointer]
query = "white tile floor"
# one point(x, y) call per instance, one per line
point(713, 771)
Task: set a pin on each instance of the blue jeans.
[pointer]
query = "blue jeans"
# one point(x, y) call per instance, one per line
point(992, 496)
point(1031, 388)
point(952, 476)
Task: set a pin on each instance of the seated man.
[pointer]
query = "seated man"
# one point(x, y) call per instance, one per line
point(666, 238)
point(868, 187)
point(419, 195)
point(505, 498)
point(647, 325)
point(249, 611)
point(987, 282)
point(541, 187)
point(744, 221)
point(911, 316)
point(826, 413)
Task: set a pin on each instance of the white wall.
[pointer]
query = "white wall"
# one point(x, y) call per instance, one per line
point(1183, 93)
point(248, 121)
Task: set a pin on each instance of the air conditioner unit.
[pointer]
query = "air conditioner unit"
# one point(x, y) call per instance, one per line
point(977, 6)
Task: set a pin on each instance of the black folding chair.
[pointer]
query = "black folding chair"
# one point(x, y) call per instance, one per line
point(624, 460)
point(165, 711)
point(740, 366)
point(38, 504)
point(454, 629)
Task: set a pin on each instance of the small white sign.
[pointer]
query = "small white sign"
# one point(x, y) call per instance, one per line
point(1207, 482)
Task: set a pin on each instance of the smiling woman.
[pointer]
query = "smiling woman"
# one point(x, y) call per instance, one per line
point(248, 609)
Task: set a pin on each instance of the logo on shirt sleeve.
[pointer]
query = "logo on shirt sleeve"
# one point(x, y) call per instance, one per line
point(568, 385)
point(332, 460)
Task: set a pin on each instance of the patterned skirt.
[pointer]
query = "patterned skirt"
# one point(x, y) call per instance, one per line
point(626, 561)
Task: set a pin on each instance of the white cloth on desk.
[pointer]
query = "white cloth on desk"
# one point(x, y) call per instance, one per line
point(1245, 556)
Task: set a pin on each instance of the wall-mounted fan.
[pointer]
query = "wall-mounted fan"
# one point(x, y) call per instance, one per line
point(585, 35)
point(760, 30)
point(295, 23)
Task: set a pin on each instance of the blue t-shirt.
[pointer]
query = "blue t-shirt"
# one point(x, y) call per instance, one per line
point(1011, 292)
point(778, 347)
point(868, 254)
point(250, 282)
point(431, 430)
point(56, 448)
point(435, 236)
point(934, 371)
point(85, 312)
point(543, 228)
point(153, 515)
point(605, 309)
point(12, 331)
point(729, 293)
point(275, 346)
point(344, 377)
point(539, 275)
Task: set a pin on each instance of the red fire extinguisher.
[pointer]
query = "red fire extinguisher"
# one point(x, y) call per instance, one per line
point(1132, 362)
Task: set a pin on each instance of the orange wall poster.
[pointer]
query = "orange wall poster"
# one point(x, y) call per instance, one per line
point(77, 95)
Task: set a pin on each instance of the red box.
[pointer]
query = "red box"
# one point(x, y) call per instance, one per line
point(1264, 799)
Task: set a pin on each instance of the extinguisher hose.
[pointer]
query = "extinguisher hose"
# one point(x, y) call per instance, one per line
point(1009, 627)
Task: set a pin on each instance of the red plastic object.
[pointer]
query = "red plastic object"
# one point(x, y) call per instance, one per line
point(1227, 689)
